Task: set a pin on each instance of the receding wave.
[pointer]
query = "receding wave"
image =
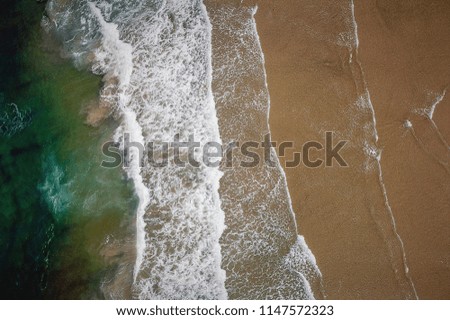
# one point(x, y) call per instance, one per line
point(155, 59)
point(262, 253)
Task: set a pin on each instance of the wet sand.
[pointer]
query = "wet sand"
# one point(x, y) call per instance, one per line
point(315, 82)
point(406, 53)
point(261, 252)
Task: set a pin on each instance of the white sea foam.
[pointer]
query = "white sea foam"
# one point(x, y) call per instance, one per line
point(114, 58)
point(55, 189)
point(12, 120)
point(262, 254)
point(156, 58)
point(407, 124)
point(430, 111)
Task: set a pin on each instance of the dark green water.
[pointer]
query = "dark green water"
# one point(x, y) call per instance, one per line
point(57, 205)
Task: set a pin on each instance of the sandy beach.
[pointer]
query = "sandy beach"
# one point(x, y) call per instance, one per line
point(371, 223)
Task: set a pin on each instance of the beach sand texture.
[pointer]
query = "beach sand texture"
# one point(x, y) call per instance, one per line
point(341, 67)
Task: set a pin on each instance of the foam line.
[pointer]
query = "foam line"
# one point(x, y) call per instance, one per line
point(377, 156)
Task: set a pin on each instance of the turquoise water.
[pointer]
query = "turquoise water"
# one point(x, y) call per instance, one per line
point(57, 205)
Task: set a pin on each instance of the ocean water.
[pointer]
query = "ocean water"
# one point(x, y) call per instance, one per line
point(56, 207)
point(193, 234)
